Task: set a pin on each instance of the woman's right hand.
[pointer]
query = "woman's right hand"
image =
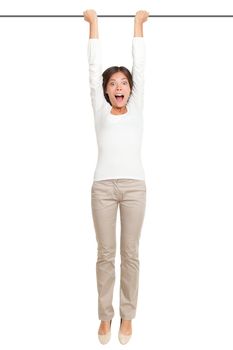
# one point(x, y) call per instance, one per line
point(90, 16)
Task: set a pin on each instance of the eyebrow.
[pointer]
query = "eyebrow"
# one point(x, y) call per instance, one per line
point(121, 79)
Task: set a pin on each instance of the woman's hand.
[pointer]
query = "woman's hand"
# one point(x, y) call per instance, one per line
point(139, 19)
point(90, 16)
point(141, 16)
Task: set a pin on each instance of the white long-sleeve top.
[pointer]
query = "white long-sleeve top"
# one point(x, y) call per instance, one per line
point(119, 137)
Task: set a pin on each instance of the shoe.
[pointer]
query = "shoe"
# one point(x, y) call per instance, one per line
point(104, 338)
point(123, 339)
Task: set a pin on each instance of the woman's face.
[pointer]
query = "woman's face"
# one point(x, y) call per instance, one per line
point(118, 90)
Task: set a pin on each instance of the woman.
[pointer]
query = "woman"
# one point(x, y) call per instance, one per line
point(117, 101)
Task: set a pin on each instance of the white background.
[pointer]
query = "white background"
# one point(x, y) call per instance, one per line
point(48, 153)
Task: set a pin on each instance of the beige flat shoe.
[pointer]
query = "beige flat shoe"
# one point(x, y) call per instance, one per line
point(123, 339)
point(104, 338)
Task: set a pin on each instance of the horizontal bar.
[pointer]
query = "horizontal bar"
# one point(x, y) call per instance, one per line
point(116, 15)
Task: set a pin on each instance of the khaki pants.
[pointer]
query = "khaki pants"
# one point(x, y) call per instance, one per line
point(130, 194)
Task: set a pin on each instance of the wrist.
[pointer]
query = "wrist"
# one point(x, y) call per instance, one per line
point(137, 20)
point(94, 19)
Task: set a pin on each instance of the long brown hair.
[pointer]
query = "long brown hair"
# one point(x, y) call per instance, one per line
point(109, 72)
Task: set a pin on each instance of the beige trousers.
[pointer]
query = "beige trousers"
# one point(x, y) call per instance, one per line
point(130, 194)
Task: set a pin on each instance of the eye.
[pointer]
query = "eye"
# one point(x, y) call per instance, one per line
point(125, 83)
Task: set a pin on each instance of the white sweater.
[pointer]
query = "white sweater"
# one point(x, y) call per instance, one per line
point(119, 137)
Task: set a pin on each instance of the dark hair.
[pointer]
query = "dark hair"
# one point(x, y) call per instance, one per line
point(109, 72)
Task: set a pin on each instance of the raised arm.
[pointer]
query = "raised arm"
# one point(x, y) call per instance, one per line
point(138, 52)
point(139, 19)
point(95, 64)
point(91, 17)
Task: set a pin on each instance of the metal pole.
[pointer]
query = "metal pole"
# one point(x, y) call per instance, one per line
point(116, 15)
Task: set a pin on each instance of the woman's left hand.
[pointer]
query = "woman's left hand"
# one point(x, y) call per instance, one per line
point(141, 16)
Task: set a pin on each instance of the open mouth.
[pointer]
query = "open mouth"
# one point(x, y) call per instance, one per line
point(119, 98)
